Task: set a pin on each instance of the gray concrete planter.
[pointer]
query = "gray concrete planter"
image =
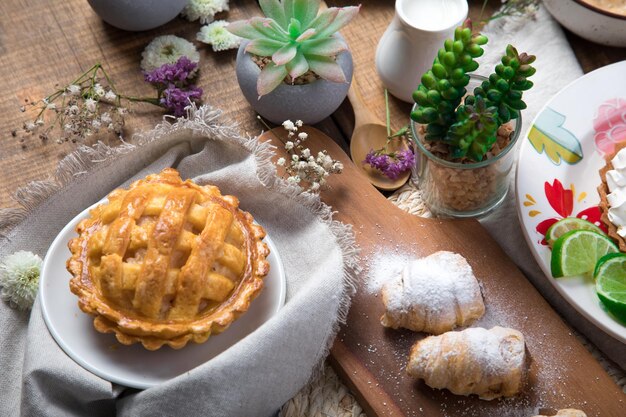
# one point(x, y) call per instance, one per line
point(310, 103)
point(136, 15)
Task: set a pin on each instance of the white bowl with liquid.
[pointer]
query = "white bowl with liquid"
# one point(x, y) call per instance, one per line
point(410, 43)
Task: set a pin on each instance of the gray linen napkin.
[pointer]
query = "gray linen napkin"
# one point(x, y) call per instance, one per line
point(252, 378)
point(556, 67)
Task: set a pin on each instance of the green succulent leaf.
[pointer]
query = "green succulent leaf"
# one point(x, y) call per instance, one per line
point(326, 68)
point(274, 10)
point(294, 28)
point(285, 54)
point(259, 27)
point(271, 76)
point(331, 20)
point(263, 47)
point(324, 47)
point(310, 32)
point(305, 10)
point(505, 87)
point(297, 66)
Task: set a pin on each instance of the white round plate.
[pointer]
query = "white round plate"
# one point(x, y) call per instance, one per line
point(134, 366)
point(558, 173)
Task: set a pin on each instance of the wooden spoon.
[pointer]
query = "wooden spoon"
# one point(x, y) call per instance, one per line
point(370, 133)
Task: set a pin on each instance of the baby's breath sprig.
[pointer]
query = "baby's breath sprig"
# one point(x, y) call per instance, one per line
point(303, 168)
point(81, 108)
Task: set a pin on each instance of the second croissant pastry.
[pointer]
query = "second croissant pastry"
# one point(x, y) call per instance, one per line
point(489, 363)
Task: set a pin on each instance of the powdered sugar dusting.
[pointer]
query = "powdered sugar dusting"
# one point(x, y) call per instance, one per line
point(386, 265)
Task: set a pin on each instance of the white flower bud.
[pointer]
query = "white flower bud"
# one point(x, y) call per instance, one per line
point(288, 125)
point(73, 89)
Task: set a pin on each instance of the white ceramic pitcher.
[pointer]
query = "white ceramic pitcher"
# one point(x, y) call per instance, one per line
point(410, 43)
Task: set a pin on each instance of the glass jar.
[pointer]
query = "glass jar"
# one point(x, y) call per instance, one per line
point(453, 189)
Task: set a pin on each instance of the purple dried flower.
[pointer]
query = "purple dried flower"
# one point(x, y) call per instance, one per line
point(175, 99)
point(393, 164)
point(181, 71)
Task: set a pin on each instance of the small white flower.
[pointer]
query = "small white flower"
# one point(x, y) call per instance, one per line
point(301, 165)
point(122, 111)
point(295, 158)
point(51, 106)
point(97, 88)
point(302, 136)
point(19, 279)
point(74, 109)
point(67, 127)
point(311, 158)
point(306, 153)
point(105, 118)
point(96, 124)
point(205, 10)
point(289, 145)
point(281, 162)
point(299, 123)
point(315, 186)
point(337, 166)
point(110, 96)
point(29, 126)
point(218, 37)
point(90, 105)
point(288, 125)
point(74, 89)
point(39, 122)
point(294, 179)
point(167, 50)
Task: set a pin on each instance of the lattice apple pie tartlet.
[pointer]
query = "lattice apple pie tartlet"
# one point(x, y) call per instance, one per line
point(166, 262)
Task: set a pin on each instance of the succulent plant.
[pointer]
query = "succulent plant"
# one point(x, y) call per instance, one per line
point(297, 39)
point(475, 130)
point(443, 86)
point(506, 85)
point(470, 130)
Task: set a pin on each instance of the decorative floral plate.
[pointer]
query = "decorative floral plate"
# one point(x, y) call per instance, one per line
point(134, 366)
point(557, 173)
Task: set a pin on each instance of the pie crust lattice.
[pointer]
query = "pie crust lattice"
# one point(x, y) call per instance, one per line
point(167, 261)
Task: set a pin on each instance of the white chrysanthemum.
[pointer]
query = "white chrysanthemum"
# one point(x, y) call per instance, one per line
point(167, 50)
point(218, 37)
point(19, 279)
point(205, 10)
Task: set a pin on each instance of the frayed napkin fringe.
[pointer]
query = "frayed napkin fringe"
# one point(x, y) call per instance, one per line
point(204, 122)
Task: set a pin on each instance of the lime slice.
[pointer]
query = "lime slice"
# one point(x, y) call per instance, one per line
point(567, 224)
point(610, 277)
point(577, 252)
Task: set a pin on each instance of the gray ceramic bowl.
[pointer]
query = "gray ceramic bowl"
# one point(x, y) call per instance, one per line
point(310, 103)
point(587, 20)
point(136, 15)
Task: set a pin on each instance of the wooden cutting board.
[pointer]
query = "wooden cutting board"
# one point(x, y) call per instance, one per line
point(371, 359)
